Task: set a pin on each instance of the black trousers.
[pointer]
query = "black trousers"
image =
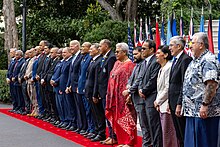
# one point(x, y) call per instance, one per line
point(25, 96)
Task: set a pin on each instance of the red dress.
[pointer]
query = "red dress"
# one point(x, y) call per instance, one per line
point(121, 116)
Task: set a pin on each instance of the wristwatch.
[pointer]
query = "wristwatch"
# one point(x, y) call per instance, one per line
point(205, 104)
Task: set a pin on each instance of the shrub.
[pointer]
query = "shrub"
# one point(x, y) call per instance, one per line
point(4, 87)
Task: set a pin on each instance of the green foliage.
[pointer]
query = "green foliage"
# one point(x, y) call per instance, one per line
point(4, 87)
point(115, 31)
point(3, 55)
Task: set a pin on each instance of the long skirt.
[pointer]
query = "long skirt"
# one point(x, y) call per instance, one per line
point(168, 131)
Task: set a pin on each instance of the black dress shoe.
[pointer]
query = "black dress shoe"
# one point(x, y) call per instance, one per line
point(77, 130)
point(84, 133)
point(59, 125)
point(98, 138)
point(64, 125)
point(72, 128)
point(52, 120)
point(91, 136)
point(68, 126)
point(57, 122)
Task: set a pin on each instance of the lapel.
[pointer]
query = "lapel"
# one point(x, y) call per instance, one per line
point(177, 64)
point(110, 53)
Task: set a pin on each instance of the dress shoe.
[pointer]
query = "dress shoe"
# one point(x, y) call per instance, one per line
point(77, 130)
point(68, 126)
point(12, 110)
point(64, 125)
point(98, 138)
point(52, 120)
point(47, 119)
point(60, 124)
point(84, 133)
point(91, 136)
point(57, 122)
point(72, 128)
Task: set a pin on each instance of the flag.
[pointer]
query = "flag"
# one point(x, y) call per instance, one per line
point(181, 27)
point(174, 32)
point(163, 38)
point(157, 35)
point(169, 34)
point(211, 46)
point(130, 44)
point(202, 29)
point(135, 33)
point(187, 50)
point(219, 39)
point(191, 29)
point(140, 40)
point(151, 33)
point(146, 29)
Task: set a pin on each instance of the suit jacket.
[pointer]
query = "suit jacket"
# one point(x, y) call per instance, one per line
point(64, 74)
point(133, 83)
point(23, 70)
point(103, 74)
point(56, 75)
point(82, 73)
point(40, 63)
point(34, 68)
point(92, 77)
point(149, 81)
point(74, 73)
point(45, 68)
point(16, 70)
point(163, 86)
point(10, 69)
point(176, 81)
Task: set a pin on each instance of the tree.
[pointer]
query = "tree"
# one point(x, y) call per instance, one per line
point(10, 32)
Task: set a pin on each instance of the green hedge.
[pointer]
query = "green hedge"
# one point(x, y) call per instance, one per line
point(4, 87)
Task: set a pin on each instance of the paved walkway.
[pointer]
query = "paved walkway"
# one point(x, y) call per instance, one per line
point(16, 133)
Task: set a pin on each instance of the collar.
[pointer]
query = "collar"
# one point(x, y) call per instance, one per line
point(206, 51)
point(77, 53)
point(20, 59)
point(68, 58)
point(148, 58)
point(178, 56)
point(94, 58)
point(105, 56)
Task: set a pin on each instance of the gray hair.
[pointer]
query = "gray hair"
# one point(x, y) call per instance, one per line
point(107, 42)
point(20, 52)
point(123, 46)
point(203, 38)
point(96, 45)
point(75, 42)
point(178, 40)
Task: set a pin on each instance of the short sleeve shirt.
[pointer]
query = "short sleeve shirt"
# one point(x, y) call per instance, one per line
point(200, 70)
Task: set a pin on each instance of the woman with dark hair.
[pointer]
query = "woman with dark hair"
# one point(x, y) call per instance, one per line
point(164, 58)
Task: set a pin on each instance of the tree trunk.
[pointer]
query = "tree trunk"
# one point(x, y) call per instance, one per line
point(131, 10)
point(122, 10)
point(112, 11)
point(10, 32)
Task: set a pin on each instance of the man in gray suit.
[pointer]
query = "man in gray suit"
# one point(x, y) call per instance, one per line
point(148, 91)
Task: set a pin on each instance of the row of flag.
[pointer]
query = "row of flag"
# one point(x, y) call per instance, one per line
point(161, 39)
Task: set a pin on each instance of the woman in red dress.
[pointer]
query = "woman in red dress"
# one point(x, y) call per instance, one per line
point(121, 114)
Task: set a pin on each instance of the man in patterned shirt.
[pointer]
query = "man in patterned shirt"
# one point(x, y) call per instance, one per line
point(201, 101)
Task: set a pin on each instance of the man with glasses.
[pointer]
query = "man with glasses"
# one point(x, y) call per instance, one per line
point(178, 68)
point(201, 102)
point(148, 92)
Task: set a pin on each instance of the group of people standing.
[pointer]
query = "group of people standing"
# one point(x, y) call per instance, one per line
point(84, 88)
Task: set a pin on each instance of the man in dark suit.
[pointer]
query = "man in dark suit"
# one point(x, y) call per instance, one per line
point(23, 83)
point(76, 104)
point(50, 95)
point(179, 66)
point(9, 81)
point(106, 66)
point(132, 93)
point(91, 76)
point(63, 79)
point(16, 70)
point(148, 91)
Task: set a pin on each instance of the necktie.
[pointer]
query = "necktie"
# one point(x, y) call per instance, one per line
point(15, 66)
point(173, 64)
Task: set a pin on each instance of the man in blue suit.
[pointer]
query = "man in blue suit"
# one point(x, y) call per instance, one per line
point(86, 112)
point(9, 76)
point(72, 84)
point(64, 74)
point(17, 86)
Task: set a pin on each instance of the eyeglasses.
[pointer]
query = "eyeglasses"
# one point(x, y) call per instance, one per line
point(116, 52)
point(144, 48)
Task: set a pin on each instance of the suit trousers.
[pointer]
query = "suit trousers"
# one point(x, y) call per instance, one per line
point(179, 124)
point(90, 122)
point(81, 113)
point(32, 94)
point(13, 96)
point(98, 115)
point(39, 98)
point(19, 97)
point(43, 95)
point(26, 97)
point(59, 104)
point(71, 106)
point(52, 104)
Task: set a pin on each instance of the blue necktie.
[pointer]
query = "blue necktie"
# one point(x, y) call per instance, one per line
point(173, 64)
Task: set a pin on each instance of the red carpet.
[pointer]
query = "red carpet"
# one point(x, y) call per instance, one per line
point(76, 138)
